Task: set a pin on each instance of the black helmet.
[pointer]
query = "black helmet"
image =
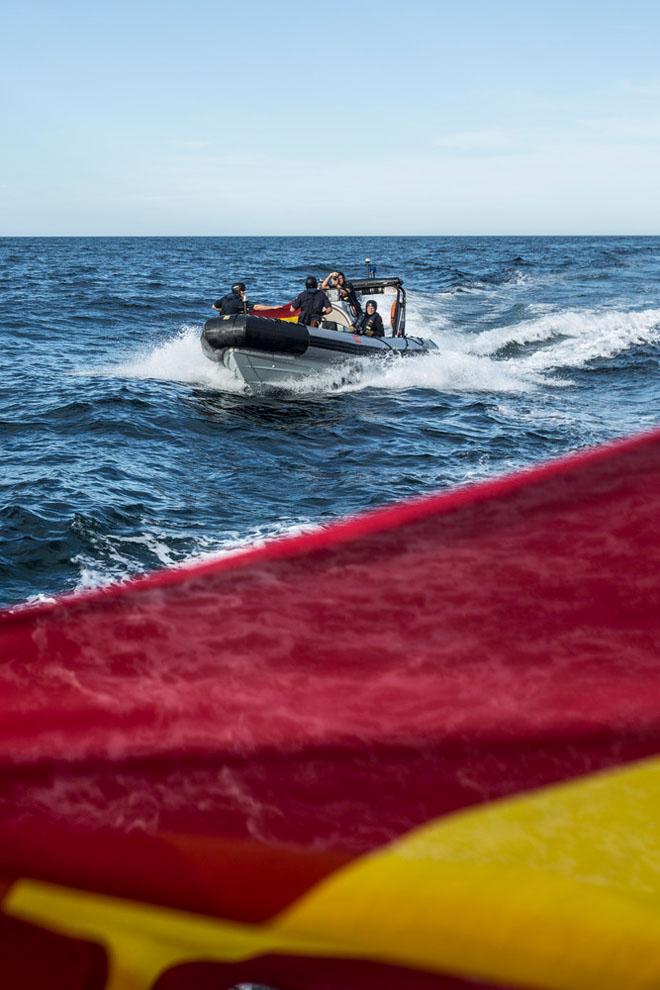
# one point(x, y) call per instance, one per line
point(372, 302)
point(311, 283)
point(238, 287)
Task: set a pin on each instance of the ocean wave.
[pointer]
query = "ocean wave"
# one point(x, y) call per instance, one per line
point(572, 337)
point(125, 449)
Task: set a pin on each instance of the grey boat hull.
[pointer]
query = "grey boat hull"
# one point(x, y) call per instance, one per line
point(265, 353)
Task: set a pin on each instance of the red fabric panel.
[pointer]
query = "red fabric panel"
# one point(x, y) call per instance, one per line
point(333, 691)
point(246, 880)
point(217, 841)
point(32, 958)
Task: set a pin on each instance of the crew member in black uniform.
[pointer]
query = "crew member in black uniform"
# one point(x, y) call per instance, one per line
point(234, 303)
point(312, 303)
point(370, 323)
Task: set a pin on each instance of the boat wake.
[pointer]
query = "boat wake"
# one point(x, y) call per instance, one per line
point(514, 357)
point(570, 338)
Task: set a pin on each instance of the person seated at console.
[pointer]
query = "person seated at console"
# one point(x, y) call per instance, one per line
point(370, 323)
point(345, 290)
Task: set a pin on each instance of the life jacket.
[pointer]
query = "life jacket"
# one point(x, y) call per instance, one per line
point(371, 326)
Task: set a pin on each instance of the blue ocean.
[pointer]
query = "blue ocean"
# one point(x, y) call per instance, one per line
point(124, 449)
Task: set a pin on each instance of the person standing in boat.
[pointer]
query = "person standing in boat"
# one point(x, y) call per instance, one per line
point(370, 323)
point(345, 290)
point(312, 303)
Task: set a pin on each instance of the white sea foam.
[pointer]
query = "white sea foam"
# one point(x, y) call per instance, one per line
point(38, 599)
point(178, 359)
point(114, 557)
point(449, 370)
point(574, 336)
point(588, 336)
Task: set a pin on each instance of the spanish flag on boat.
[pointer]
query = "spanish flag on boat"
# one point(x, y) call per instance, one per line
point(419, 749)
point(280, 313)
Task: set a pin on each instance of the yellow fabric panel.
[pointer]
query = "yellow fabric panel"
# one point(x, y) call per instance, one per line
point(143, 941)
point(557, 890)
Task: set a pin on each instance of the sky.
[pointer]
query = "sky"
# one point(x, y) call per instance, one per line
point(251, 117)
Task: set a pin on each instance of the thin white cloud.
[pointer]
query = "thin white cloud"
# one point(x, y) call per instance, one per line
point(192, 146)
point(618, 128)
point(644, 88)
point(485, 140)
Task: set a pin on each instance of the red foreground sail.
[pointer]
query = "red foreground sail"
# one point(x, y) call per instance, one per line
point(418, 749)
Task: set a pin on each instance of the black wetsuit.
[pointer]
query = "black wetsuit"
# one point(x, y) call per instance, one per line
point(311, 304)
point(370, 326)
point(231, 305)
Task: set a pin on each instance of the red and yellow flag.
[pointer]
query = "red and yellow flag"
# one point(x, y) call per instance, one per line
point(279, 313)
point(419, 749)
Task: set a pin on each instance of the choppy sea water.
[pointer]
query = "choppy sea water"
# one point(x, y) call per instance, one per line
point(123, 449)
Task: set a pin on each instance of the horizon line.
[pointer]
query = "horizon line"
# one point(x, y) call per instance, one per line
point(305, 236)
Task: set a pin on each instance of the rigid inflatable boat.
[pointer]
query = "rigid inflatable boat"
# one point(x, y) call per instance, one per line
point(272, 349)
